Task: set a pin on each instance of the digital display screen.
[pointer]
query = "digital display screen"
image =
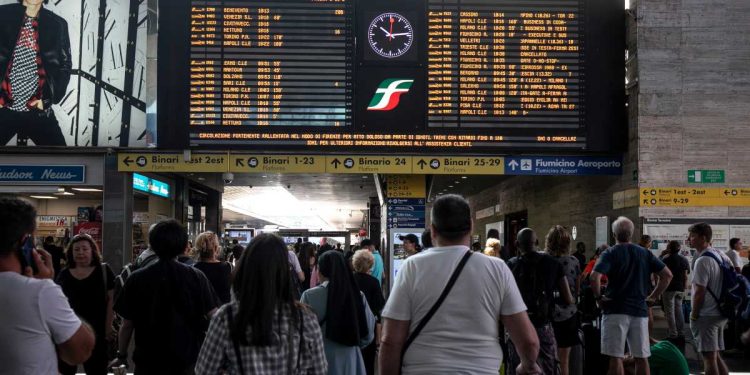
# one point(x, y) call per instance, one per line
point(456, 76)
point(255, 64)
point(150, 185)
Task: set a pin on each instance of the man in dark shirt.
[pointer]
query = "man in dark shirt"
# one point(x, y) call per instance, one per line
point(35, 65)
point(580, 254)
point(628, 268)
point(538, 276)
point(56, 252)
point(675, 293)
point(168, 305)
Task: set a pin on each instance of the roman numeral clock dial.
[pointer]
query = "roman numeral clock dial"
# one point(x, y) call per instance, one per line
point(390, 35)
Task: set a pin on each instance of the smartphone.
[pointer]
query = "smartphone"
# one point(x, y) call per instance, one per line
point(27, 255)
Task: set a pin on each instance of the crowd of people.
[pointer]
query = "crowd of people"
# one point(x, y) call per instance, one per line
point(317, 309)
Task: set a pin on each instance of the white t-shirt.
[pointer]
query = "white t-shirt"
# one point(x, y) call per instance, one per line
point(35, 316)
point(462, 336)
point(294, 262)
point(707, 273)
point(734, 258)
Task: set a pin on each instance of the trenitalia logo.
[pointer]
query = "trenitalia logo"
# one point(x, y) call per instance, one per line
point(388, 93)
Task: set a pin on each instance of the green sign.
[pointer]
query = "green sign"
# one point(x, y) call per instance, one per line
point(706, 176)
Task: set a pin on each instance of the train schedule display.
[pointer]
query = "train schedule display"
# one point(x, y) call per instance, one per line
point(456, 76)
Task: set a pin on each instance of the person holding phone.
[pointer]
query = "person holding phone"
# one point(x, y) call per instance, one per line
point(89, 285)
point(38, 323)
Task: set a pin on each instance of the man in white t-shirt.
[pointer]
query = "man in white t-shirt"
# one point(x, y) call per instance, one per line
point(735, 246)
point(462, 336)
point(706, 322)
point(37, 321)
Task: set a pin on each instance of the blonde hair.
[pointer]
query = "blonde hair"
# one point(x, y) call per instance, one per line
point(206, 245)
point(558, 241)
point(363, 261)
point(492, 247)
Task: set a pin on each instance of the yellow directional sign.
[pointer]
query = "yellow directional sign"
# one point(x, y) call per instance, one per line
point(694, 197)
point(368, 164)
point(458, 165)
point(406, 186)
point(248, 163)
point(172, 162)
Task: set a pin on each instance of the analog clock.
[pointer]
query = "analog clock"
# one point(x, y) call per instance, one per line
point(390, 35)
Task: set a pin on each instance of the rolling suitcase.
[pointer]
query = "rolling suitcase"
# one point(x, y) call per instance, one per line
point(593, 360)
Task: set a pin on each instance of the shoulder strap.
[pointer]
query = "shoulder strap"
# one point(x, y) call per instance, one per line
point(230, 323)
point(437, 304)
point(301, 340)
point(713, 256)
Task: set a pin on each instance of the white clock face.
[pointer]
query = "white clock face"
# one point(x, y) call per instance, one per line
point(390, 35)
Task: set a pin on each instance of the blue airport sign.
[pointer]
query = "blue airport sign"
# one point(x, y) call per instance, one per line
point(564, 165)
point(406, 201)
point(42, 174)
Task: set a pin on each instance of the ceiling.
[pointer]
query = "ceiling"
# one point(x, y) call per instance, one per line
point(462, 185)
point(299, 201)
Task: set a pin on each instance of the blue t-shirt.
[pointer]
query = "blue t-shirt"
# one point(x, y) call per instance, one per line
point(628, 268)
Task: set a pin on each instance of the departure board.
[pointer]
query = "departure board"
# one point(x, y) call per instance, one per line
point(439, 76)
point(261, 63)
point(496, 64)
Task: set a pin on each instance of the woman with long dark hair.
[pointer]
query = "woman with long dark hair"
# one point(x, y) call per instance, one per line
point(89, 285)
point(306, 253)
point(343, 314)
point(264, 331)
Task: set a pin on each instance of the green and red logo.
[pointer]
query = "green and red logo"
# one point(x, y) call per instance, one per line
point(388, 93)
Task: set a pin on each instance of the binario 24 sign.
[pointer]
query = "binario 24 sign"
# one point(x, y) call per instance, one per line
point(42, 174)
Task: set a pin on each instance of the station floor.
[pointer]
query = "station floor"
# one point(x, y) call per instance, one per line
point(739, 364)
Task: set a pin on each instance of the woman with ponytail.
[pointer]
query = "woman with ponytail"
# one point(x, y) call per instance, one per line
point(344, 316)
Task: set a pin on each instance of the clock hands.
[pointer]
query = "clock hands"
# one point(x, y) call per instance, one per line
point(400, 34)
point(390, 33)
point(387, 34)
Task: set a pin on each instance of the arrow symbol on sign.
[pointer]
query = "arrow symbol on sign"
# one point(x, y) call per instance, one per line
point(127, 160)
point(421, 163)
point(239, 163)
point(513, 165)
point(336, 163)
point(726, 192)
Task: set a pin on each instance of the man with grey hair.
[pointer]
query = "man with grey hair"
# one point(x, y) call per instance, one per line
point(625, 305)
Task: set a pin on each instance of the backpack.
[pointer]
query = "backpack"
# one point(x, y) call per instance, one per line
point(735, 291)
point(539, 304)
point(128, 270)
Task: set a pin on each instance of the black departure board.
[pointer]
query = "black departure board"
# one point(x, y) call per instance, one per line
point(437, 76)
point(500, 64)
point(262, 63)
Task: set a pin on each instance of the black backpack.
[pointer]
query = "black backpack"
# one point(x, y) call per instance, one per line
point(539, 303)
point(128, 270)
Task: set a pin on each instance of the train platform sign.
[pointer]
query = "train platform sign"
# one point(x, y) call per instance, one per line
point(563, 165)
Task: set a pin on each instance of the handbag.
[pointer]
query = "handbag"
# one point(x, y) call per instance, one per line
point(436, 306)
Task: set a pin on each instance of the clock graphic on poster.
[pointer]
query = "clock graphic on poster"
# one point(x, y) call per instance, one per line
point(390, 35)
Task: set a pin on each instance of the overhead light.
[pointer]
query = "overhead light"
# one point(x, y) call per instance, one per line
point(364, 177)
point(450, 186)
point(88, 190)
point(463, 177)
point(61, 191)
point(42, 197)
point(456, 182)
point(264, 176)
